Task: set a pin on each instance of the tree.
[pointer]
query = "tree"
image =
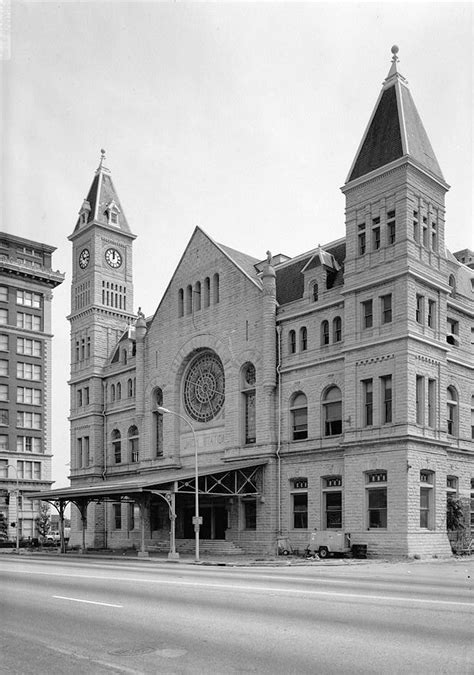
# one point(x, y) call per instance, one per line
point(43, 521)
point(3, 527)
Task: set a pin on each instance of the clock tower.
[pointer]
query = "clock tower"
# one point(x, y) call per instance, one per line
point(101, 309)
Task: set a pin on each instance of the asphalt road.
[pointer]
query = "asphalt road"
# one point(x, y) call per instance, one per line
point(74, 616)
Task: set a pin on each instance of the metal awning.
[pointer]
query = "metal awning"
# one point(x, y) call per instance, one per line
point(230, 479)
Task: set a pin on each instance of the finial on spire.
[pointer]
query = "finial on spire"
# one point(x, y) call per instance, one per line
point(269, 257)
point(102, 157)
point(395, 51)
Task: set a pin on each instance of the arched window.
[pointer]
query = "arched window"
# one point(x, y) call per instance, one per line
point(197, 295)
point(337, 329)
point(207, 292)
point(158, 422)
point(332, 411)
point(324, 333)
point(125, 356)
point(315, 292)
point(180, 302)
point(116, 446)
point(215, 288)
point(452, 284)
point(292, 342)
point(189, 299)
point(133, 443)
point(119, 391)
point(249, 403)
point(303, 339)
point(112, 392)
point(452, 411)
point(299, 417)
point(130, 388)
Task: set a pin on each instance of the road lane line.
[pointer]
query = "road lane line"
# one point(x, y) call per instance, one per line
point(89, 602)
point(252, 589)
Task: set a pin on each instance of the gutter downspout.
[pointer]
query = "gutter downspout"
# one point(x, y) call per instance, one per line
point(278, 449)
point(104, 440)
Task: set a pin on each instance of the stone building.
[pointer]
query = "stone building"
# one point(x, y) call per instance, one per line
point(26, 284)
point(331, 390)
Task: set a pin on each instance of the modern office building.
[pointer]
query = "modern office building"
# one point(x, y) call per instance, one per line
point(332, 390)
point(27, 280)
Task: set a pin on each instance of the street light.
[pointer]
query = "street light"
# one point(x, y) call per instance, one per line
point(196, 520)
point(17, 528)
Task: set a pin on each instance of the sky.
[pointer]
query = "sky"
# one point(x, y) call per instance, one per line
point(242, 118)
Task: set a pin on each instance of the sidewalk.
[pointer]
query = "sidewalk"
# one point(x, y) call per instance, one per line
point(239, 560)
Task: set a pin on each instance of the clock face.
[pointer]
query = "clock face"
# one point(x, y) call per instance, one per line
point(84, 258)
point(113, 257)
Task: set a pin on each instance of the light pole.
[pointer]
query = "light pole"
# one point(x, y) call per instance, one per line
point(17, 524)
point(196, 520)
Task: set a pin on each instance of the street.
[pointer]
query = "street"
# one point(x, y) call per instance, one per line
point(107, 616)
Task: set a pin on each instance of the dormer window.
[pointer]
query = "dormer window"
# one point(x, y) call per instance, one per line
point(112, 212)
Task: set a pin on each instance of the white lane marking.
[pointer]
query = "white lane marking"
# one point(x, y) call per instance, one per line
point(253, 589)
point(89, 602)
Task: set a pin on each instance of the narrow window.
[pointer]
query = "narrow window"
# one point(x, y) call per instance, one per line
point(332, 406)
point(376, 234)
point(197, 295)
point(420, 302)
point(292, 342)
point(337, 329)
point(133, 444)
point(362, 243)
point(315, 292)
point(432, 403)
point(325, 333)
point(207, 292)
point(367, 315)
point(420, 398)
point(376, 488)
point(368, 402)
point(452, 411)
point(303, 339)
point(215, 289)
point(250, 514)
point(299, 417)
point(431, 313)
point(117, 446)
point(117, 516)
point(332, 502)
point(181, 302)
point(391, 227)
point(249, 399)
point(416, 228)
point(300, 504)
point(158, 422)
point(386, 301)
point(426, 499)
point(386, 382)
point(189, 299)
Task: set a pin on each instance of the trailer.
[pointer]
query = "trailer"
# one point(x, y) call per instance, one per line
point(328, 542)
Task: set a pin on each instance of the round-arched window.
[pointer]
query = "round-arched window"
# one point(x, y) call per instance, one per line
point(204, 387)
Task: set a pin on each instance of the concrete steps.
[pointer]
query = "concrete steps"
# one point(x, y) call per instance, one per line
point(213, 546)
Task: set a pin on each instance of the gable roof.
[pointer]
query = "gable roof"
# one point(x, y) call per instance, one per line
point(395, 130)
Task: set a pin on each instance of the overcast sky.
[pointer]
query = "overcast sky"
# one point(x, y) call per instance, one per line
point(242, 118)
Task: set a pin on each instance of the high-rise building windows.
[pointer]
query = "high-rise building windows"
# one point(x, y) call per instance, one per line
point(3, 343)
point(325, 333)
point(432, 403)
point(419, 311)
point(368, 402)
point(431, 313)
point(337, 329)
point(28, 371)
point(117, 446)
point(420, 399)
point(28, 299)
point(28, 321)
point(133, 444)
point(452, 412)
point(332, 407)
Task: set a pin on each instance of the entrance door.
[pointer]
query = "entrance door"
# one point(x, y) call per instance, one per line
point(214, 521)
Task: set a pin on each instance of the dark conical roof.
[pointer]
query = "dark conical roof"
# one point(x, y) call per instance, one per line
point(101, 199)
point(395, 130)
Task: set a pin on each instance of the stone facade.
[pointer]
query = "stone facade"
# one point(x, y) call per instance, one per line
point(345, 372)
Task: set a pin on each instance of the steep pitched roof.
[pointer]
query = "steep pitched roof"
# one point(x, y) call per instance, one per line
point(395, 130)
point(290, 274)
point(101, 199)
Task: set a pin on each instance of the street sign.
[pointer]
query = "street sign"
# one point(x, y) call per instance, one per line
point(197, 520)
